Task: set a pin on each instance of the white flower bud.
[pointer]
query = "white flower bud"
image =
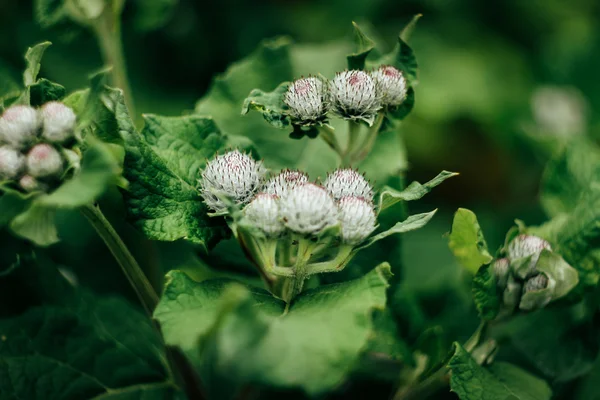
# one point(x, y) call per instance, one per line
point(358, 219)
point(19, 125)
point(537, 282)
point(306, 101)
point(285, 181)
point(234, 174)
point(58, 121)
point(391, 85)
point(29, 184)
point(308, 209)
point(353, 95)
point(11, 162)
point(525, 246)
point(347, 182)
point(500, 268)
point(43, 160)
point(263, 212)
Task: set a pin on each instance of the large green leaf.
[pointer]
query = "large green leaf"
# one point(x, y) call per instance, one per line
point(364, 45)
point(485, 293)
point(500, 380)
point(466, 241)
point(248, 336)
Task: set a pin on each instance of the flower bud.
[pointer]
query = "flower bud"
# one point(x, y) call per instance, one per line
point(353, 95)
point(234, 174)
point(537, 282)
point(357, 218)
point(43, 161)
point(527, 245)
point(306, 101)
point(500, 268)
point(11, 163)
point(29, 184)
point(285, 181)
point(58, 122)
point(308, 209)
point(263, 212)
point(534, 296)
point(19, 125)
point(347, 182)
point(391, 85)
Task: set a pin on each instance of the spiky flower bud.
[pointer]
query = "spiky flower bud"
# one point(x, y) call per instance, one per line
point(391, 85)
point(308, 209)
point(500, 268)
point(285, 181)
point(357, 218)
point(29, 184)
point(58, 121)
point(43, 160)
point(233, 174)
point(537, 282)
point(527, 245)
point(306, 101)
point(353, 95)
point(263, 212)
point(11, 162)
point(348, 182)
point(19, 125)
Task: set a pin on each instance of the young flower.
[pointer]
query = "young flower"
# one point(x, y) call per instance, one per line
point(537, 282)
point(347, 182)
point(353, 95)
point(285, 181)
point(391, 85)
point(43, 161)
point(11, 162)
point(308, 209)
point(263, 212)
point(19, 125)
point(234, 174)
point(29, 184)
point(527, 245)
point(58, 121)
point(500, 268)
point(306, 101)
point(357, 218)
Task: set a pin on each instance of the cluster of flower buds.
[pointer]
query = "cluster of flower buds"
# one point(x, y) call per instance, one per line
point(288, 201)
point(35, 145)
point(355, 95)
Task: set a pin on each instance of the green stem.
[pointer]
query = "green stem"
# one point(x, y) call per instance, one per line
point(367, 145)
point(425, 389)
point(108, 33)
point(353, 135)
point(328, 135)
point(129, 265)
point(300, 271)
point(332, 265)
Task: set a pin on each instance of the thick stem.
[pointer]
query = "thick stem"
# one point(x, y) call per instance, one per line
point(353, 135)
point(328, 135)
point(367, 145)
point(296, 283)
point(130, 267)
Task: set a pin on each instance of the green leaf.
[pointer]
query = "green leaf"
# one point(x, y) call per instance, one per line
point(33, 57)
point(11, 205)
point(44, 91)
point(414, 191)
point(37, 224)
point(402, 111)
point(246, 335)
point(50, 12)
point(270, 105)
point(152, 15)
point(498, 381)
point(401, 57)
point(485, 293)
point(466, 241)
point(364, 45)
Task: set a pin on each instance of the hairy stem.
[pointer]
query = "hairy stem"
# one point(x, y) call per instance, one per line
point(367, 145)
point(328, 135)
point(129, 265)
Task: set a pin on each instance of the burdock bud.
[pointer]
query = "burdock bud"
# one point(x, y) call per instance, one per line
point(306, 101)
point(308, 209)
point(19, 125)
point(527, 245)
point(357, 218)
point(537, 282)
point(11, 162)
point(29, 184)
point(263, 212)
point(43, 161)
point(285, 181)
point(353, 95)
point(500, 268)
point(233, 174)
point(348, 182)
point(391, 85)
point(58, 121)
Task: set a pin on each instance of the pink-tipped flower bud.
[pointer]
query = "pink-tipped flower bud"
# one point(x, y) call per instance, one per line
point(43, 160)
point(11, 163)
point(357, 218)
point(391, 85)
point(263, 212)
point(58, 122)
point(525, 246)
point(305, 99)
point(347, 182)
point(308, 209)
point(353, 95)
point(285, 181)
point(19, 126)
point(29, 184)
point(235, 175)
